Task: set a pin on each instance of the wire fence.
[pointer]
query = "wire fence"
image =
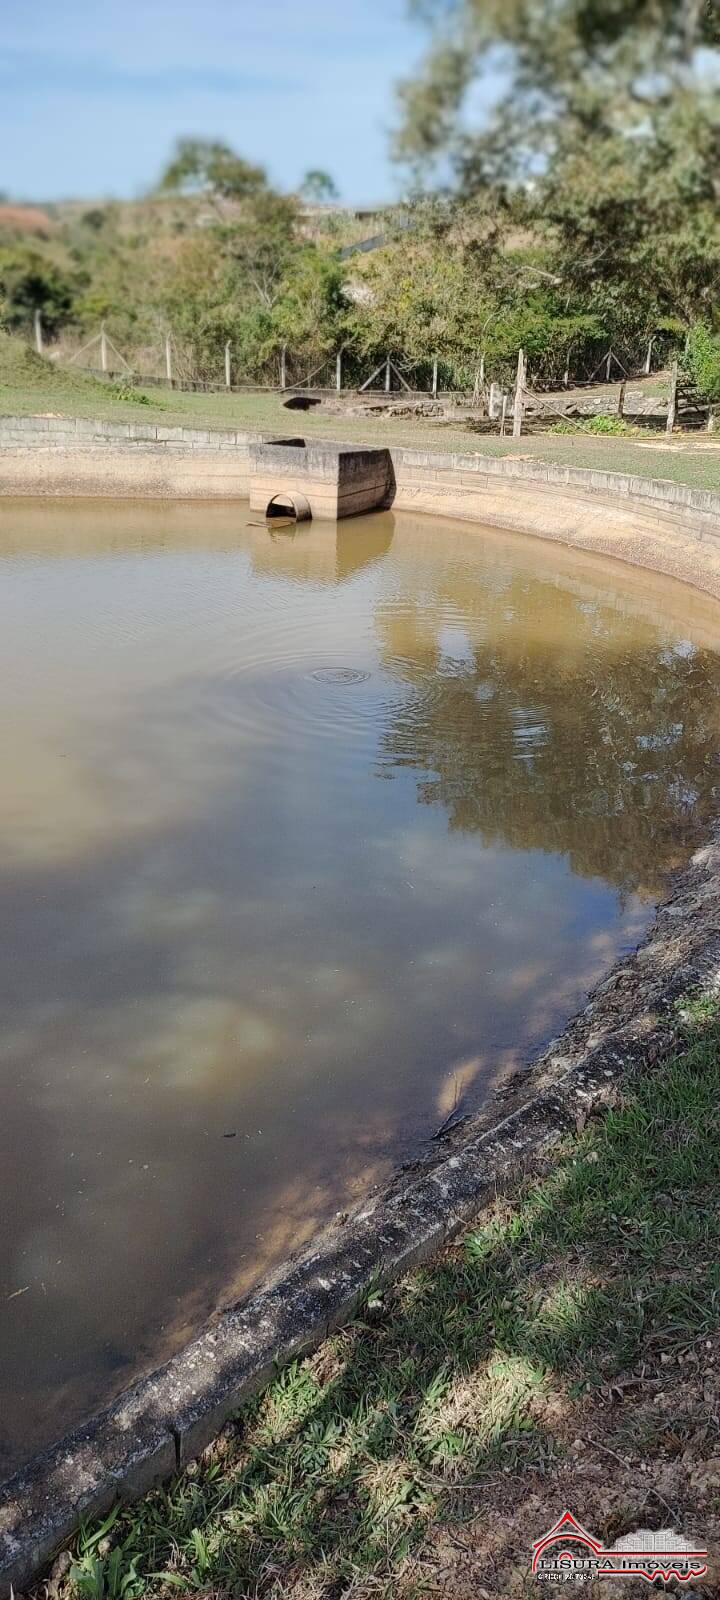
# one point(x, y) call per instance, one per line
point(172, 363)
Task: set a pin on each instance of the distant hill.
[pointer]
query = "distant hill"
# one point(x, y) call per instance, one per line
point(25, 220)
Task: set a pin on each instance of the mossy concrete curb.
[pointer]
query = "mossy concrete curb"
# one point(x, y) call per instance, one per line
point(168, 1417)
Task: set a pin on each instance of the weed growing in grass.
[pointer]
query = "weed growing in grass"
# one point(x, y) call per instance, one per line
point(602, 425)
point(611, 1259)
point(136, 397)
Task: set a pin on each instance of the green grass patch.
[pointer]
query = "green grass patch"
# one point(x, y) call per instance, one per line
point(602, 426)
point(333, 1474)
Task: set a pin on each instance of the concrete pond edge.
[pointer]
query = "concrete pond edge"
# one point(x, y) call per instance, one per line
point(160, 1423)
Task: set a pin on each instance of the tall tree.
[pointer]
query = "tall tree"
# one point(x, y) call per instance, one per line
point(564, 71)
point(605, 116)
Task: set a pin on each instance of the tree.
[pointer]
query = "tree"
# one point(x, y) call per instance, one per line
point(30, 282)
point(249, 275)
point(208, 165)
point(318, 186)
point(572, 70)
point(606, 128)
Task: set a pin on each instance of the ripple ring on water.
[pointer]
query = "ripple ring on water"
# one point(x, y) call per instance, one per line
point(339, 675)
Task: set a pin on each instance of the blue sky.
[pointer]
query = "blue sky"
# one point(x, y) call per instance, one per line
point(92, 96)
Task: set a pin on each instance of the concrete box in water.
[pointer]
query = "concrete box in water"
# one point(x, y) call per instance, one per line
point(335, 480)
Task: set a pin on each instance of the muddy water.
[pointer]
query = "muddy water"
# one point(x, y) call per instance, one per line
point(304, 838)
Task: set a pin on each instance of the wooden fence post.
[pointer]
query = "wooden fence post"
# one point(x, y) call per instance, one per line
point(435, 378)
point(338, 371)
point(482, 370)
point(283, 366)
point(503, 414)
point(168, 359)
point(621, 399)
point(103, 348)
point(608, 364)
point(37, 320)
point(519, 387)
point(227, 364)
point(672, 398)
point(648, 357)
point(387, 375)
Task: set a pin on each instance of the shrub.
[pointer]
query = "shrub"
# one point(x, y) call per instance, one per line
point(602, 424)
point(702, 360)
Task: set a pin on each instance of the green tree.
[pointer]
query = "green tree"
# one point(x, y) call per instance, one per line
point(209, 165)
point(606, 129)
point(318, 185)
point(31, 282)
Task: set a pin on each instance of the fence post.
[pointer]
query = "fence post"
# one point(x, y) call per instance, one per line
point(37, 320)
point(648, 357)
point(519, 386)
point(103, 348)
point(482, 370)
point(672, 398)
point(283, 366)
point(227, 365)
point(503, 415)
point(338, 371)
point(621, 399)
point(168, 359)
point(435, 378)
point(387, 375)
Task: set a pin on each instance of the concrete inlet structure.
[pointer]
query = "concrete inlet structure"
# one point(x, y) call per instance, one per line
point(321, 479)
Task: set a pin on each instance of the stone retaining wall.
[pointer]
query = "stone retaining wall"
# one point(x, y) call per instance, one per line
point(78, 456)
point(652, 523)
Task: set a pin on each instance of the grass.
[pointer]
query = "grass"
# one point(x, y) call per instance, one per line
point(462, 1385)
point(30, 384)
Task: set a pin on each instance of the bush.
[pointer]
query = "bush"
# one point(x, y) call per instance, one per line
point(702, 360)
point(127, 391)
point(607, 424)
point(602, 424)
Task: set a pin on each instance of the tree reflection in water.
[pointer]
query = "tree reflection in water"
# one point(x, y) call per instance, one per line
point(542, 717)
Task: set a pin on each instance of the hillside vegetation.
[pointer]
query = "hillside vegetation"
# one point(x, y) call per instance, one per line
point(580, 216)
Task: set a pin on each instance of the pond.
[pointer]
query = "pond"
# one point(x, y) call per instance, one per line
point(309, 836)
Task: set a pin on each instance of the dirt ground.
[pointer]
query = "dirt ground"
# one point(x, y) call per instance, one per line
point(645, 1453)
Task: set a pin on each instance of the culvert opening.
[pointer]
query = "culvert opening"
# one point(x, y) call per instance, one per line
point(287, 508)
